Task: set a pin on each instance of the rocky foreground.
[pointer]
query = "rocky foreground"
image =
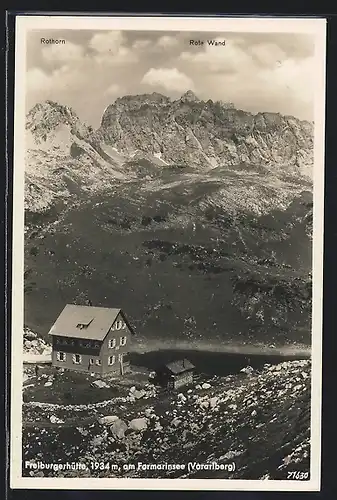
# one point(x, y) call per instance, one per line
point(251, 425)
point(34, 345)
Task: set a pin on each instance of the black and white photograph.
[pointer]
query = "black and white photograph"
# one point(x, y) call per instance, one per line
point(167, 253)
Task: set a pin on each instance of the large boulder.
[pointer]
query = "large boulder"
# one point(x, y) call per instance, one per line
point(29, 335)
point(139, 394)
point(213, 402)
point(138, 424)
point(100, 384)
point(182, 398)
point(55, 420)
point(176, 422)
point(204, 404)
point(158, 426)
point(118, 428)
point(248, 370)
point(108, 419)
point(149, 412)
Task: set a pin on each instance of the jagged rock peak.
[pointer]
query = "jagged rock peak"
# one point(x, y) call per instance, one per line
point(51, 114)
point(189, 96)
point(226, 104)
point(50, 106)
point(180, 130)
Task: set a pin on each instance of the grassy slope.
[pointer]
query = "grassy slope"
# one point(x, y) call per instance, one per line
point(228, 276)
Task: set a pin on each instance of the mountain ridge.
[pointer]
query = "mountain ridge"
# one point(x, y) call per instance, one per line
point(155, 123)
point(107, 218)
point(195, 135)
point(155, 97)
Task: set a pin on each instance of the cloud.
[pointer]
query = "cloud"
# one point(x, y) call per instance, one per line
point(37, 80)
point(167, 42)
point(259, 76)
point(109, 48)
point(113, 89)
point(63, 79)
point(155, 45)
point(286, 87)
point(141, 44)
point(170, 79)
point(120, 57)
point(292, 78)
point(293, 45)
point(267, 54)
point(227, 59)
point(254, 71)
point(107, 42)
point(61, 53)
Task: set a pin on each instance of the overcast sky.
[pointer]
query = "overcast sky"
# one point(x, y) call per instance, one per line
point(255, 71)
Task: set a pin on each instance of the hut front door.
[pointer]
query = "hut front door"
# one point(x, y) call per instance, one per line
point(170, 384)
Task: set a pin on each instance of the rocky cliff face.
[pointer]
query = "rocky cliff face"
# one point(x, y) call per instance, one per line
point(62, 161)
point(207, 134)
point(66, 159)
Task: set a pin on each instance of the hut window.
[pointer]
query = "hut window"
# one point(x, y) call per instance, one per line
point(111, 360)
point(120, 325)
point(77, 359)
point(122, 340)
point(112, 343)
point(61, 356)
point(98, 362)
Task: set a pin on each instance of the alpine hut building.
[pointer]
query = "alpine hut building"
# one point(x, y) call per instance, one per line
point(176, 374)
point(91, 339)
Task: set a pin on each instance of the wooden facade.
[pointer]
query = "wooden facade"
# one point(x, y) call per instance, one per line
point(176, 374)
point(91, 339)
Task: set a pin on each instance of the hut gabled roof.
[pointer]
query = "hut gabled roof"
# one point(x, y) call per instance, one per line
point(180, 366)
point(86, 322)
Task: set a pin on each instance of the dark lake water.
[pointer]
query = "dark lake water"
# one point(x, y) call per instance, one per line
point(209, 362)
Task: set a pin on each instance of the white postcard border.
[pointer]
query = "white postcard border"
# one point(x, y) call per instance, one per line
point(316, 27)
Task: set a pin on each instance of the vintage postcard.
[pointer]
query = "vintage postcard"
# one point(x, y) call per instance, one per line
point(167, 253)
